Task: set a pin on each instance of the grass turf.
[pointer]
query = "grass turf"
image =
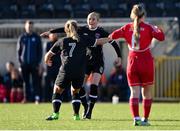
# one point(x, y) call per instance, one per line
point(106, 116)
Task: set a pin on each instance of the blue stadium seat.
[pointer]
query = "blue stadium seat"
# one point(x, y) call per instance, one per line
point(118, 8)
point(80, 8)
point(62, 9)
point(26, 8)
point(8, 9)
point(100, 6)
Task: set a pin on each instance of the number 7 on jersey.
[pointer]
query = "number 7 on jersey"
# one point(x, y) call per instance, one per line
point(73, 45)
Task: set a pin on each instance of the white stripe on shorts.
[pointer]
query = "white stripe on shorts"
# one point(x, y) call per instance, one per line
point(56, 100)
point(76, 101)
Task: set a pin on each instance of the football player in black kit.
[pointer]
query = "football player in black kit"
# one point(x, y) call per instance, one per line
point(95, 63)
point(72, 71)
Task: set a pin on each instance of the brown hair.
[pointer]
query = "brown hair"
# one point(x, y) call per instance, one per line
point(71, 29)
point(137, 13)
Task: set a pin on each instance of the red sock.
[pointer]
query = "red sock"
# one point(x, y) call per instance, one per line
point(12, 96)
point(134, 106)
point(19, 97)
point(147, 107)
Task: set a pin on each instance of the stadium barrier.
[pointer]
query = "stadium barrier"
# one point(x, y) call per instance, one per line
point(167, 78)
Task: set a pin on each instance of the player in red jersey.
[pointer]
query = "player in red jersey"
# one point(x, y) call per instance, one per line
point(140, 67)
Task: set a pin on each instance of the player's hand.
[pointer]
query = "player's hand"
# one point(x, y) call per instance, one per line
point(47, 59)
point(110, 37)
point(49, 63)
point(45, 34)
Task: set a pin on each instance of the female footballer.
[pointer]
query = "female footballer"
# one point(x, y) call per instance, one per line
point(140, 68)
point(95, 62)
point(72, 71)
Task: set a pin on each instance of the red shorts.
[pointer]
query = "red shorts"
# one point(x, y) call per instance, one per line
point(140, 70)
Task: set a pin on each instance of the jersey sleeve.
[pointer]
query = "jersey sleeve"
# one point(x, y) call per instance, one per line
point(116, 48)
point(157, 33)
point(104, 33)
point(58, 30)
point(119, 33)
point(56, 47)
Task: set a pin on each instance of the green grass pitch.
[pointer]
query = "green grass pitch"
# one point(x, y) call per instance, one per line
point(106, 116)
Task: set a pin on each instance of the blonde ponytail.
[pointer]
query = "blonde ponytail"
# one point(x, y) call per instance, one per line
point(71, 29)
point(136, 31)
point(137, 13)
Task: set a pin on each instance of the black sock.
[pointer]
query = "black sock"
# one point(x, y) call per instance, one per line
point(56, 101)
point(90, 107)
point(83, 99)
point(92, 97)
point(76, 103)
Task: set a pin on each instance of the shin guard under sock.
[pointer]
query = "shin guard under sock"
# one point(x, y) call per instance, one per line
point(56, 101)
point(76, 103)
point(134, 107)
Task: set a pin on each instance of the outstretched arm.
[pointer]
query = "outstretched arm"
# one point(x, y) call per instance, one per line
point(102, 41)
point(116, 48)
point(158, 33)
point(57, 30)
point(118, 52)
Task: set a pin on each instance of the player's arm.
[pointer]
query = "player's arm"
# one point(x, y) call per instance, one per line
point(119, 33)
point(92, 42)
point(54, 50)
point(47, 58)
point(112, 42)
point(158, 33)
point(118, 52)
point(102, 41)
point(115, 46)
point(57, 30)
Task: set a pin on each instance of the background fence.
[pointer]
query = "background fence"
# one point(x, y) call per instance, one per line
point(167, 78)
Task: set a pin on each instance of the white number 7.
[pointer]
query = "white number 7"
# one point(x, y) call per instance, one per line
point(73, 45)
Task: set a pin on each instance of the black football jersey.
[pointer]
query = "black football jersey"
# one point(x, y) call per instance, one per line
point(73, 53)
point(94, 53)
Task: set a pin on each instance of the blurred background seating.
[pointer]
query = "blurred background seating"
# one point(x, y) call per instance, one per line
point(80, 8)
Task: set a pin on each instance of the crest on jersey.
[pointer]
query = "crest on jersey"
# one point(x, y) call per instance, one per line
point(97, 35)
point(33, 39)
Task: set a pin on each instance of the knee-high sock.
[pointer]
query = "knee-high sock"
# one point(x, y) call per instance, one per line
point(83, 99)
point(147, 107)
point(56, 101)
point(92, 97)
point(134, 107)
point(76, 103)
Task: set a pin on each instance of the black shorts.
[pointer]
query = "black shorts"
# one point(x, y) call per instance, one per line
point(17, 83)
point(95, 67)
point(64, 81)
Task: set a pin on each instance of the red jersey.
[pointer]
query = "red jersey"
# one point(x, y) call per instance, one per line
point(147, 33)
point(140, 58)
